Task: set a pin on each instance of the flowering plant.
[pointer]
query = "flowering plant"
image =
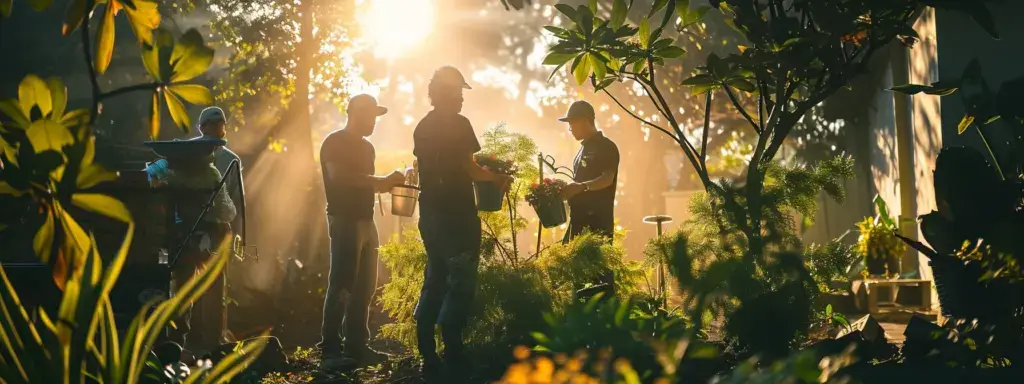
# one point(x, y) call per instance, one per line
point(494, 164)
point(548, 189)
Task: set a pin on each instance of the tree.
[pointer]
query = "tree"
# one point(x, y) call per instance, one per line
point(798, 53)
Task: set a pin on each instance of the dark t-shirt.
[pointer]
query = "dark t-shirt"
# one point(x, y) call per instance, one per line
point(595, 209)
point(441, 142)
point(349, 154)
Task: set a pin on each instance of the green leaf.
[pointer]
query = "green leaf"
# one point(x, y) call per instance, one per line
point(151, 55)
point(658, 5)
point(599, 66)
point(193, 93)
point(33, 91)
point(73, 17)
point(105, 38)
point(582, 68)
point(48, 135)
point(102, 204)
point(558, 58)
point(5, 8)
point(702, 79)
point(703, 352)
point(190, 56)
point(178, 112)
point(619, 11)
point(12, 109)
point(559, 32)
point(671, 52)
point(154, 117)
point(568, 11)
point(644, 33)
point(58, 96)
point(742, 84)
point(943, 88)
point(40, 5)
point(42, 242)
point(144, 17)
point(883, 211)
point(593, 5)
point(964, 124)
point(910, 89)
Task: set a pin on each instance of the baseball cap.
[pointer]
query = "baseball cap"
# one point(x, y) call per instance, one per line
point(449, 76)
point(211, 114)
point(364, 102)
point(579, 110)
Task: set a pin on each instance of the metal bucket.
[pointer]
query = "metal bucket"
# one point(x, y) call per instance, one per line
point(403, 200)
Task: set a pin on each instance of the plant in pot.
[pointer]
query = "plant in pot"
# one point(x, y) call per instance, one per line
point(545, 197)
point(488, 195)
point(878, 243)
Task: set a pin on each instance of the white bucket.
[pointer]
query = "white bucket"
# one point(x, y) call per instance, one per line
point(403, 200)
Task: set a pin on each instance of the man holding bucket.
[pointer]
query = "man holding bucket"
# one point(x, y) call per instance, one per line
point(444, 144)
point(347, 159)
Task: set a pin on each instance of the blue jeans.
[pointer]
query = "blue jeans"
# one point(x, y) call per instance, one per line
point(354, 257)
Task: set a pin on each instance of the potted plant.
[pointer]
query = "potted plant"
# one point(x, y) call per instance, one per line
point(488, 195)
point(545, 198)
point(878, 243)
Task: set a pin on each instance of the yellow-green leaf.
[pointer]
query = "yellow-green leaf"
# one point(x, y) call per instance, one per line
point(190, 56)
point(79, 240)
point(178, 112)
point(965, 123)
point(7, 189)
point(48, 135)
point(75, 118)
point(32, 91)
point(92, 175)
point(73, 18)
point(40, 5)
point(42, 243)
point(162, 39)
point(5, 8)
point(644, 33)
point(144, 18)
point(154, 117)
point(600, 68)
point(105, 38)
point(59, 96)
point(12, 109)
point(102, 204)
point(582, 69)
point(193, 93)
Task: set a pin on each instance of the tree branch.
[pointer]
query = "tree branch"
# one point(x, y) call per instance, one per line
point(743, 111)
point(642, 121)
point(707, 128)
point(131, 88)
point(87, 48)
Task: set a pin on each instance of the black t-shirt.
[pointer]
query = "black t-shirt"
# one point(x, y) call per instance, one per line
point(595, 209)
point(349, 154)
point(441, 142)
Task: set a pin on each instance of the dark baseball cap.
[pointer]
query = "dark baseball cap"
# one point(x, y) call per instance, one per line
point(579, 110)
point(364, 102)
point(449, 76)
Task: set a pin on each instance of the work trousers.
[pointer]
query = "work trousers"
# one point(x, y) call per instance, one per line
point(354, 244)
point(201, 327)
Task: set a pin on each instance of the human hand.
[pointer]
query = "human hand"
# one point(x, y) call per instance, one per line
point(572, 189)
point(396, 178)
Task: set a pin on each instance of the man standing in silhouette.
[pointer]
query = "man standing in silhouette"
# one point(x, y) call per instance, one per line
point(347, 159)
point(592, 194)
point(444, 145)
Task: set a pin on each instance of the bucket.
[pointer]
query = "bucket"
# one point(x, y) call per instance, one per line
point(403, 200)
point(488, 196)
point(551, 212)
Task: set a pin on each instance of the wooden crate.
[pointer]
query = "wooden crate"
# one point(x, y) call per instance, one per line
point(869, 300)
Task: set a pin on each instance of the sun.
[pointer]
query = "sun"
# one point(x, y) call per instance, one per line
point(392, 27)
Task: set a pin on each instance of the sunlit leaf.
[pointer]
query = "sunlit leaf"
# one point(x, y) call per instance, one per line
point(568, 11)
point(154, 117)
point(102, 204)
point(5, 8)
point(58, 95)
point(75, 118)
point(619, 11)
point(151, 55)
point(193, 93)
point(593, 5)
point(105, 38)
point(600, 67)
point(658, 5)
point(644, 33)
point(742, 84)
point(964, 124)
point(79, 239)
point(73, 17)
point(7, 189)
point(42, 243)
point(48, 135)
point(910, 89)
point(671, 52)
point(558, 58)
point(190, 56)
point(33, 92)
point(582, 69)
point(144, 17)
point(12, 109)
point(178, 112)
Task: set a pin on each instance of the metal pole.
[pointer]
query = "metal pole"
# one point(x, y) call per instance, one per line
point(661, 276)
point(540, 169)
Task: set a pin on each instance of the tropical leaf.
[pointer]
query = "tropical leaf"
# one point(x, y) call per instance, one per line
point(58, 96)
point(33, 92)
point(48, 135)
point(144, 17)
point(73, 17)
point(582, 68)
point(42, 242)
point(178, 112)
point(102, 204)
point(619, 12)
point(644, 34)
point(193, 93)
point(5, 8)
point(154, 116)
point(105, 38)
point(12, 109)
point(153, 55)
point(190, 56)
point(964, 124)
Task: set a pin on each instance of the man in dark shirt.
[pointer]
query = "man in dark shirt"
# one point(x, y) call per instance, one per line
point(347, 160)
point(592, 194)
point(444, 144)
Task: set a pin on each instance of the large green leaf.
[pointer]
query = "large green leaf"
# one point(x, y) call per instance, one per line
point(193, 93)
point(582, 68)
point(742, 84)
point(671, 52)
point(42, 243)
point(48, 135)
point(658, 5)
point(12, 108)
point(58, 96)
point(105, 38)
point(153, 55)
point(558, 58)
point(619, 11)
point(33, 92)
point(190, 56)
point(154, 117)
point(644, 34)
point(144, 17)
point(568, 11)
point(73, 17)
point(178, 112)
point(102, 204)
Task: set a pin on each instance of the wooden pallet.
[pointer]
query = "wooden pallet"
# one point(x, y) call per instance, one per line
point(871, 288)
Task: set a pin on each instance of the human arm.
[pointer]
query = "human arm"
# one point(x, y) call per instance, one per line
point(478, 173)
point(603, 181)
point(342, 176)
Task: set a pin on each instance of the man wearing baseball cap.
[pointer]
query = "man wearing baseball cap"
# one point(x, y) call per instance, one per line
point(444, 144)
point(592, 194)
point(347, 159)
